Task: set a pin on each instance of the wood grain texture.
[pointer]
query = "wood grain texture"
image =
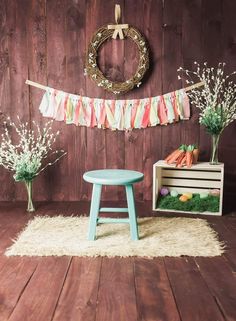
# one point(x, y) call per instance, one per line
point(46, 41)
point(96, 138)
point(152, 136)
point(192, 51)
point(230, 255)
point(6, 181)
point(155, 300)
point(138, 289)
point(190, 291)
point(56, 77)
point(39, 300)
point(37, 69)
point(113, 66)
point(133, 139)
point(212, 53)
point(18, 61)
point(171, 61)
point(75, 83)
point(14, 276)
point(227, 146)
point(116, 295)
point(222, 287)
point(11, 226)
point(78, 299)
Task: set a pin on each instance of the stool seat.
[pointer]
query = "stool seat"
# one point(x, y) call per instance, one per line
point(113, 177)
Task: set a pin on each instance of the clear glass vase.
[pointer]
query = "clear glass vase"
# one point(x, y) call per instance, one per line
point(214, 149)
point(30, 207)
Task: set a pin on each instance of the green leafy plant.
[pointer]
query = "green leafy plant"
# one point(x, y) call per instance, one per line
point(216, 99)
point(26, 158)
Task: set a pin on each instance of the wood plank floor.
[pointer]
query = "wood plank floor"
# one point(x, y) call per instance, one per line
point(118, 289)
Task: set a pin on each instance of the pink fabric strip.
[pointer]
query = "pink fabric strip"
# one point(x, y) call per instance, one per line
point(175, 107)
point(76, 112)
point(65, 105)
point(146, 115)
point(93, 116)
point(186, 105)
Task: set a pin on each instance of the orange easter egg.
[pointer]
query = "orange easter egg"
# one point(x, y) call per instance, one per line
point(188, 195)
point(183, 198)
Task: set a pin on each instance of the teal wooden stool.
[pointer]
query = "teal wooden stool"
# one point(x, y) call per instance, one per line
point(112, 177)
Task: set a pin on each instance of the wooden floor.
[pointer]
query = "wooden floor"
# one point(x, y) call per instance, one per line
point(119, 289)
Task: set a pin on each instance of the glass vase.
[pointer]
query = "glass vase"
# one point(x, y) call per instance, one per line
point(30, 207)
point(214, 149)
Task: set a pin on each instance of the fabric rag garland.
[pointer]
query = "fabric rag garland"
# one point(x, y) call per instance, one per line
point(115, 114)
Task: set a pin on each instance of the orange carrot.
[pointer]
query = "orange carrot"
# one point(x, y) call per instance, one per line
point(189, 155)
point(195, 155)
point(174, 158)
point(189, 159)
point(182, 162)
point(176, 155)
point(179, 159)
point(171, 155)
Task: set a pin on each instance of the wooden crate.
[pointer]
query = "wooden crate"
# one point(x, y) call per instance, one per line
point(201, 177)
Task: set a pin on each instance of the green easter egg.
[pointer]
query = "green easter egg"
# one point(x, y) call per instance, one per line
point(174, 193)
point(203, 195)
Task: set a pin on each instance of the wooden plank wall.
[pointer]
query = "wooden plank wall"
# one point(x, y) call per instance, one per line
point(46, 41)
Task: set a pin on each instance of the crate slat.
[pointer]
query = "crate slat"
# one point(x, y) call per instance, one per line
point(190, 182)
point(188, 212)
point(191, 174)
point(182, 190)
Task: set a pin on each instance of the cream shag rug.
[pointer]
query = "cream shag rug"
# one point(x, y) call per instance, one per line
point(46, 236)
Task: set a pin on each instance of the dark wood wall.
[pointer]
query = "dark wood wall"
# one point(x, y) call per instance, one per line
point(46, 41)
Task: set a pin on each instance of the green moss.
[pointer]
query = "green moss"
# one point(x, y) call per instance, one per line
point(196, 204)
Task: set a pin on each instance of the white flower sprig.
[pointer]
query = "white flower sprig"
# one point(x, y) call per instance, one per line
point(26, 158)
point(216, 99)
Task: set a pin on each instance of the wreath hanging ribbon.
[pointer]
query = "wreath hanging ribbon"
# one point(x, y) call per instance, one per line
point(118, 28)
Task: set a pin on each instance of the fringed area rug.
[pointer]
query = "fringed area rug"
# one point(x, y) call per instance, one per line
point(58, 236)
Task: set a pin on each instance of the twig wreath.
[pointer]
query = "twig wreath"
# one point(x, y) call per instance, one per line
point(112, 31)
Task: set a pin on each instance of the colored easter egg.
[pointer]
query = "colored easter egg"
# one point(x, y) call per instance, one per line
point(183, 198)
point(203, 195)
point(164, 191)
point(174, 193)
point(189, 195)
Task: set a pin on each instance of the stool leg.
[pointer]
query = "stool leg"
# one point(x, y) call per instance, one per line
point(94, 210)
point(132, 212)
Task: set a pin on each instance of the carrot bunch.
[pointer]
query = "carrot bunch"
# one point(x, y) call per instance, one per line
point(184, 155)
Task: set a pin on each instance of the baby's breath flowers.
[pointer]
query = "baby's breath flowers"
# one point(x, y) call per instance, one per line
point(216, 99)
point(26, 157)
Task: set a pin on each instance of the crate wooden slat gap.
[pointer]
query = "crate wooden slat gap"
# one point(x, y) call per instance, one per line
point(201, 177)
